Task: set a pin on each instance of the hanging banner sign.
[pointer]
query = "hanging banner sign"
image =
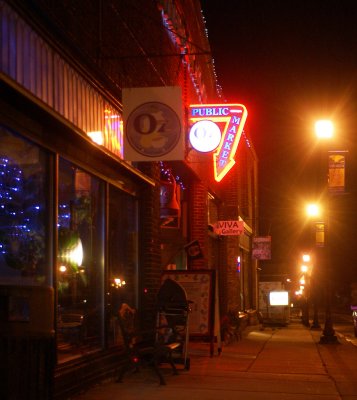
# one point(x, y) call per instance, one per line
point(336, 168)
point(218, 127)
point(153, 127)
point(320, 234)
point(229, 228)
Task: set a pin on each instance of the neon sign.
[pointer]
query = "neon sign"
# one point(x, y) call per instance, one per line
point(230, 119)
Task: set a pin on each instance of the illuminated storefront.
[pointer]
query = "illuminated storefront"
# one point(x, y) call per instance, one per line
point(98, 229)
point(69, 205)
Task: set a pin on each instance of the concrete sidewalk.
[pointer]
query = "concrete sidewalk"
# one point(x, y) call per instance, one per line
point(285, 363)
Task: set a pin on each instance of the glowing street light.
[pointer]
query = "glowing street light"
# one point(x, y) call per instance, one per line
point(306, 258)
point(312, 210)
point(304, 268)
point(324, 129)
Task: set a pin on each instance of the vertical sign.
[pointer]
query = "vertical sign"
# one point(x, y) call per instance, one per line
point(320, 234)
point(336, 169)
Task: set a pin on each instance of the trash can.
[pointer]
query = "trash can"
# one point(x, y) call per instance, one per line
point(27, 345)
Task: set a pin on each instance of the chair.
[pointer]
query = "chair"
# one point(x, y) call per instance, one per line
point(72, 326)
point(143, 348)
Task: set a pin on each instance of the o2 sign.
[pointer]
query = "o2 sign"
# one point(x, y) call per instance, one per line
point(217, 127)
point(205, 136)
point(153, 129)
point(152, 124)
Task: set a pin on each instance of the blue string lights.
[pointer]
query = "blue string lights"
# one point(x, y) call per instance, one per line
point(21, 245)
point(167, 175)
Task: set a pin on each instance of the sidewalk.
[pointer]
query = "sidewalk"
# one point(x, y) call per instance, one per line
point(286, 363)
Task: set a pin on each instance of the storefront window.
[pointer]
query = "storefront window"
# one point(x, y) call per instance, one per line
point(80, 268)
point(24, 258)
point(123, 263)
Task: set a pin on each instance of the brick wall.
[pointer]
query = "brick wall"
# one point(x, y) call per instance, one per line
point(198, 222)
point(149, 243)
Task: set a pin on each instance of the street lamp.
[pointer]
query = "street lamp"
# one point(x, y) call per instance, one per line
point(324, 130)
point(313, 211)
point(306, 258)
point(304, 268)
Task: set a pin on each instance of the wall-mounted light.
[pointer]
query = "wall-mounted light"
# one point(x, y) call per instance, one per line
point(97, 137)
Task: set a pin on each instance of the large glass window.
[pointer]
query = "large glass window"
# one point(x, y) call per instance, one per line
point(24, 255)
point(80, 269)
point(123, 262)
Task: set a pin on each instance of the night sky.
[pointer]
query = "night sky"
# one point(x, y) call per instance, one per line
point(291, 63)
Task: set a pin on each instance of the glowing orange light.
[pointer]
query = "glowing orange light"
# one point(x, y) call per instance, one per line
point(63, 268)
point(304, 268)
point(232, 117)
point(306, 257)
point(324, 129)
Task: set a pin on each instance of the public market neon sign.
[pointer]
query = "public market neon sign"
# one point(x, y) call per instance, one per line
point(230, 120)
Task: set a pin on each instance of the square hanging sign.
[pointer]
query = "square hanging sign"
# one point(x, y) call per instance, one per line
point(153, 124)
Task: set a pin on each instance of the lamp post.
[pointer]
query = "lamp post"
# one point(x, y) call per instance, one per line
point(324, 130)
point(313, 211)
point(305, 269)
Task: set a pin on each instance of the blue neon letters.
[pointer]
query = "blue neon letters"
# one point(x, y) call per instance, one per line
point(209, 111)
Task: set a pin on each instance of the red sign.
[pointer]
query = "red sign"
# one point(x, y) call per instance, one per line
point(229, 228)
point(230, 118)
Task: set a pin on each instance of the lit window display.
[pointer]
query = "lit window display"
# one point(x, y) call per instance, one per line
point(23, 212)
point(86, 287)
point(80, 283)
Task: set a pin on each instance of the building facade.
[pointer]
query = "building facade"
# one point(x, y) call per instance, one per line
point(83, 230)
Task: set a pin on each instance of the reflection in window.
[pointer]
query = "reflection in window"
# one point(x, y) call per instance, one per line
point(23, 211)
point(123, 237)
point(80, 262)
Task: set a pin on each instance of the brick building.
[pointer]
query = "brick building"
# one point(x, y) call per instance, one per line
point(75, 215)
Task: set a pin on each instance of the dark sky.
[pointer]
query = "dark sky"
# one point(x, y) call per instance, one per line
point(290, 62)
